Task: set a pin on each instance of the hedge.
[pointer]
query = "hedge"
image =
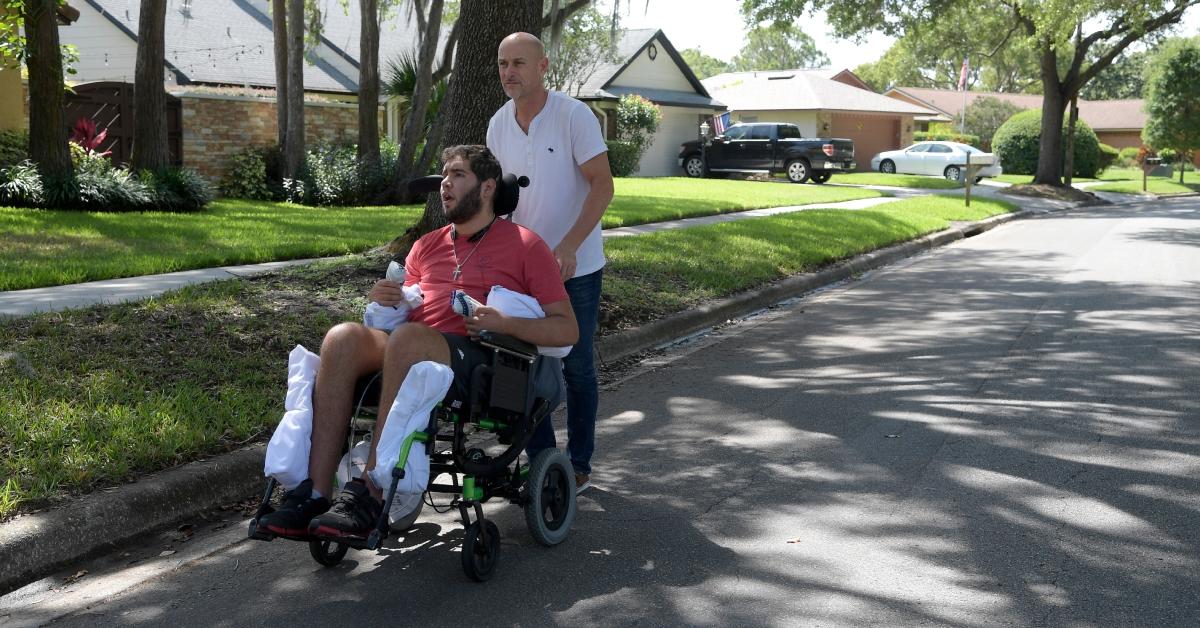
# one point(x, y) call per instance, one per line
point(1018, 141)
point(623, 157)
point(944, 136)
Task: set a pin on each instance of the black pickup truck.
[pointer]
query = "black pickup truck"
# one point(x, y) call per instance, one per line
point(772, 147)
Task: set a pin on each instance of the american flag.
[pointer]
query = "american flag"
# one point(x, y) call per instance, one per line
point(720, 123)
point(962, 76)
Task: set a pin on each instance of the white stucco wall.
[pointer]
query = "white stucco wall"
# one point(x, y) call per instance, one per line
point(660, 73)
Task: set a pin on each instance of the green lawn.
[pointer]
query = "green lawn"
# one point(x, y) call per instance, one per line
point(1154, 185)
point(48, 248)
point(1020, 179)
point(641, 201)
point(896, 180)
point(95, 397)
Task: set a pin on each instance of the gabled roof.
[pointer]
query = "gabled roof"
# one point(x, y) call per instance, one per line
point(1101, 115)
point(802, 90)
point(629, 47)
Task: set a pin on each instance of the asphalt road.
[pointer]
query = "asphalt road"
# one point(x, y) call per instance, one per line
point(1005, 431)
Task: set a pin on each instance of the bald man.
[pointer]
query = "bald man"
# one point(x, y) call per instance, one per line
point(555, 140)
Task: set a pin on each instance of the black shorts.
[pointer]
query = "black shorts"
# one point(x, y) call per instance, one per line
point(466, 353)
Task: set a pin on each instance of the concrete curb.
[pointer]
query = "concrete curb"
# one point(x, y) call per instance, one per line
point(34, 546)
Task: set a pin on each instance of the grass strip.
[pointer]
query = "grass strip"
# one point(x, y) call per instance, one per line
point(639, 201)
point(895, 180)
point(96, 397)
point(1154, 185)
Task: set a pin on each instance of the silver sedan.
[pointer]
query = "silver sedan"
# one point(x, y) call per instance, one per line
point(942, 159)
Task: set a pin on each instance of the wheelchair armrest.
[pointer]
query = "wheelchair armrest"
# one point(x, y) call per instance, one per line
point(508, 344)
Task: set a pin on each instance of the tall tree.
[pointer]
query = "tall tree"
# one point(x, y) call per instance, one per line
point(1173, 99)
point(702, 65)
point(583, 46)
point(279, 31)
point(778, 46)
point(1125, 78)
point(293, 149)
point(1049, 26)
point(474, 93)
point(368, 85)
point(983, 116)
point(414, 123)
point(47, 113)
point(150, 149)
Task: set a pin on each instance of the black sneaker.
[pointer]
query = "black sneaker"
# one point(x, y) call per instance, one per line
point(353, 513)
point(293, 516)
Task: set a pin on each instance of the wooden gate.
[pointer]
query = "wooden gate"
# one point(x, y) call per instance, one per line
point(110, 105)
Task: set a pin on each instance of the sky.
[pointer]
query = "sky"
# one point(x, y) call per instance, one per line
point(718, 31)
point(716, 28)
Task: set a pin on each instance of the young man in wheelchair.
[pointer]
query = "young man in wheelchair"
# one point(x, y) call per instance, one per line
point(473, 253)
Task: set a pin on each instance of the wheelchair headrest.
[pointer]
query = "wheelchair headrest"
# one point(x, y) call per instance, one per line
point(507, 195)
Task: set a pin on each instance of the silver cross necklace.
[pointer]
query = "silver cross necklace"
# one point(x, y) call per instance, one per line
point(454, 251)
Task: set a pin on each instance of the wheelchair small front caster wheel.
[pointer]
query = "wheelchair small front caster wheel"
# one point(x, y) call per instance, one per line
point(550, 497)
point(480, 555)
point(328, 553)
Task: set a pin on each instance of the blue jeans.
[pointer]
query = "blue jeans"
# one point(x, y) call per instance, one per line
point(579, 371)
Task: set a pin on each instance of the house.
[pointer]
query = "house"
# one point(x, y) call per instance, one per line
point(823, 103)
point(1117, 123)
point(647, 64)
point(13, 114)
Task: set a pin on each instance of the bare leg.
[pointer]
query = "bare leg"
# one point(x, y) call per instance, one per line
point(349, 351)
point(408, 345)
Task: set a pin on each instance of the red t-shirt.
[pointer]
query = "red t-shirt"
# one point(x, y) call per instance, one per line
point(509, 255)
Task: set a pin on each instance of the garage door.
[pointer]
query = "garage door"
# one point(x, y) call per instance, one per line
point(871, 134)
point(678, 125)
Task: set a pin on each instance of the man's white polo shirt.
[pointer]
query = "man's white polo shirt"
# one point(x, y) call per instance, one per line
point(562, 136)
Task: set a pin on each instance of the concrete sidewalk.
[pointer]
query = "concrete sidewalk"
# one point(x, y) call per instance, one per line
point(34, 545)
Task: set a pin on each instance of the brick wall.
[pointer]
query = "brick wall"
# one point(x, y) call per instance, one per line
point(215, 127)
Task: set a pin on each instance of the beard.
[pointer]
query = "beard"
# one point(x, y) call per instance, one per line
point(467, 207)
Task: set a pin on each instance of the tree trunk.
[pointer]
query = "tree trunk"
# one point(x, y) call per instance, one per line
point(474, 93)
point(293, 156)
point(368, 87)
point(47, 115)
point(279, 29)
point(150, 149)
point(1049, 169)
point(1069, 156)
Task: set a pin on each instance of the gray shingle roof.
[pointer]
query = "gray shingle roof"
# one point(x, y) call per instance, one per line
point(799, 90)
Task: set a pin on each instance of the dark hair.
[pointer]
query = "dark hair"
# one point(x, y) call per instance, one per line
point(483, 163)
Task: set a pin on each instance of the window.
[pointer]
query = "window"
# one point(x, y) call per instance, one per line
point(789, 132)
point(760, 132)
point(940, 148)
point(919, 148)
point(736, 132)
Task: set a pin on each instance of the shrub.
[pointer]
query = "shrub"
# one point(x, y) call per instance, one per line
point(14, 148)
point(943, 136)
point(623, 157)
point(21, 185)
point(246, 175)
point(1017, 142)
point(637, 122)
point(1128, 157)
point(111, 190)
point(1108, 156)
point(177, 190)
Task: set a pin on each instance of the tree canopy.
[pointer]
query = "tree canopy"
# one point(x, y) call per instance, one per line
point(1173, 97)
point(703, 65)
point(778, 46)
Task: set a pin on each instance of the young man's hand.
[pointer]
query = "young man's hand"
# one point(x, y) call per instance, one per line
point(490, 319)
point(386, 292)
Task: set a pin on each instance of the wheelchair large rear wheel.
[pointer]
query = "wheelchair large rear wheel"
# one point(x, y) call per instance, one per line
point(550, 503)
point(479, 556)
point(328, 553)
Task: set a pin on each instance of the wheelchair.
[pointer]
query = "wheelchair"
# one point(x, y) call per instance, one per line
point(478, 439)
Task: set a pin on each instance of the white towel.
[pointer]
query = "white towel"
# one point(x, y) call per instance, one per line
point(287, 453)
point(425, 385)
point(389, 317)
point(518, 305)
